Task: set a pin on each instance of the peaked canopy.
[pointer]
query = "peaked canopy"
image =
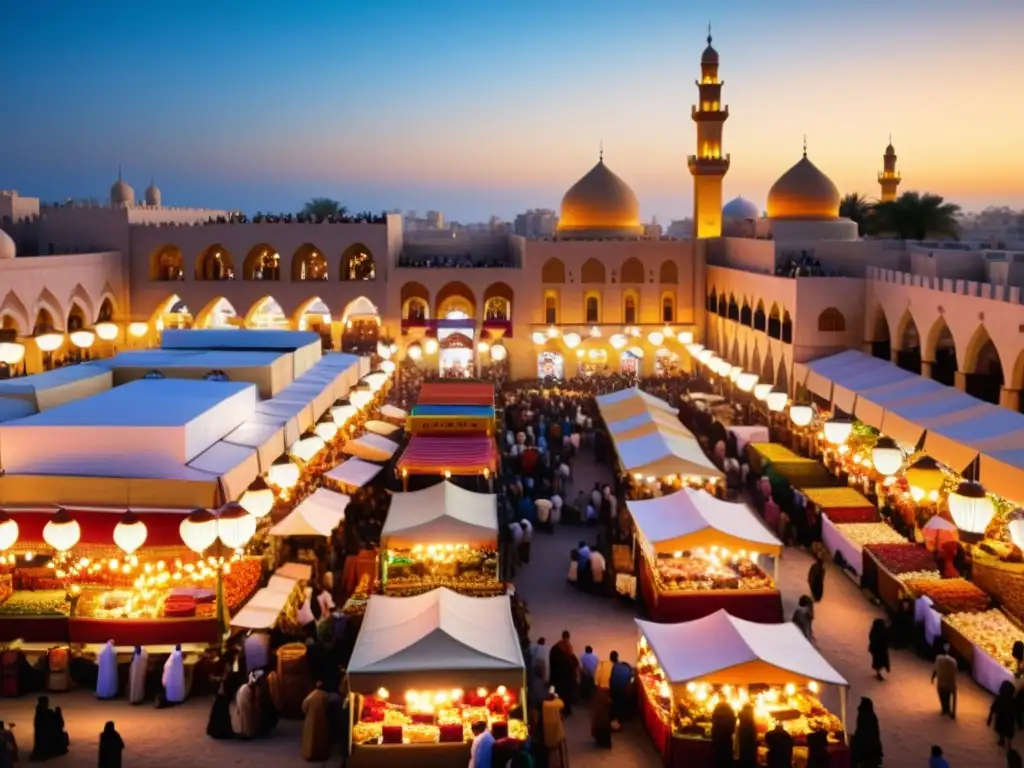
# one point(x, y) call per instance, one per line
point(690, 519)
point(438, 639)
point(661, 454)
point(317, 515)
point(371, 447)
point(648, 423)
point(441, 514)
point(354, 473)
point(630, 402)
point(723, 649)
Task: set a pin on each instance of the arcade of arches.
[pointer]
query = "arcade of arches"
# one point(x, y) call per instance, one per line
point(263, 262)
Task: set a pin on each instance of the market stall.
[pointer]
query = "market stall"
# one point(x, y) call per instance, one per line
point(424, 669)
point(649, 422)
point(353, 474)
point(627, 403)
point(382, 428)
point(747, 434)
point(760, 455)
point(371, 447)
point(393, 413)
point(451, 419)
point(316, 515)
point(456, 393)
point(700, 555)
point(842, 504)
point(442, 536)
point(846, 542)
point(686, 670)
point(276, 604)
point(447, 456)
point(887, 566)
point(664, 455)
point(984, 639)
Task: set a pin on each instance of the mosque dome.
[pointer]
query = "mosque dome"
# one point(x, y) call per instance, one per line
point(7, 247)
point(600, 205)
point(803, 193)
point(740, 208)
point(121, 192)
point(153, 196)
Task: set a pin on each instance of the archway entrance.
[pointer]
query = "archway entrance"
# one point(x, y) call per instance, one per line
point(550, 364)
point(456, 355)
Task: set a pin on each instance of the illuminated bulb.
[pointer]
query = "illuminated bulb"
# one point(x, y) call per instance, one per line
point(801, 414)
point(552, 332)
point(106, 330)
point(198, 531)
point(481, 692)
point(129, 534)
point(11, 352)
point(499, 352)
point(62, 532)
point(258, 498)
point(502, 690)
point(83, 339)
point(483, 347)
point(538, 337)
point(138, 330)
point(837, 430)
point(571, 340)
point(761, 391)
point(618, 341)
point(388, 366)
point(790, 689)
point(8, 531)
point(813, 687)
point(430, 346)
point(691, 687)
point(657, 338)
point(284, 473)
point(746, 382)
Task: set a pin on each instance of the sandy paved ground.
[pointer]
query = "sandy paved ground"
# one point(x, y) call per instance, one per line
point(907, 705)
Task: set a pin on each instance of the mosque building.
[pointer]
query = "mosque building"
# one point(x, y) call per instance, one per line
point(599, 295)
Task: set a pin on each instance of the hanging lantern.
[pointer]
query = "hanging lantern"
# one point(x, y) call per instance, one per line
point(705, 355)
point(618, 341)
point(735, 373)
point(360, 398)
point(50, 342)
point(8, 531)
point(761, 391)
point(972, 509)
point(668, 333)
point(694, 348)
point(925, 476)
point(1014, 523)
point(686, 337)
point(235, 526)
point(341, 412)
point(483, 347)
point(138, 330)
point(633, 331)
point(657, 338)
point(62, 532)
point(595, 332)
point(388, 366)
point(106, 330)
point(746, 382)
point(130, 533)
point(636, 352)
point(430, 346)
point(571, 340)
point(724, 369)
point(307, 446)
point(11, 352)
point(838, 431)
point(552, 332)
point(383, 350)
point(326, 427)
point(258, 498)
point(199, 530)
point(414, 351)
point(284, 473)
point(83, 339)
point(393, 348)
point(887, 456)
point(538, 338)
point(801, 414)
point(499, 352)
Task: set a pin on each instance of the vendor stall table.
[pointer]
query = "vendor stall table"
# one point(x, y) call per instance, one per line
point(852, 552)
point(132, 632)
point(456, 393)
point(410, 756)
point(451, 419)
point(454, 455)
point(803, 474)
point(987, 670)
point(745, 435)
point(837, 498)
point(760, 455)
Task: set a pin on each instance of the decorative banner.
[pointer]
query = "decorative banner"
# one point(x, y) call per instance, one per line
point(447, 425)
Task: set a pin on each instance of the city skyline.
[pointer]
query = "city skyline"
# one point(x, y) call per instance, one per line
point(479, 111)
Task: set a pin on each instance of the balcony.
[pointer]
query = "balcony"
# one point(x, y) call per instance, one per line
point(711, 166)
point(710, 115)
point(884, 176)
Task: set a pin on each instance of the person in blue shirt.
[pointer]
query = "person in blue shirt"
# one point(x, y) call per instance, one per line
point(937, 760)
point(481, 754)
point(621, 678)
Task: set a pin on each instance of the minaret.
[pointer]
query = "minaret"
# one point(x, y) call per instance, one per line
point(709, 165)
point(889, 178)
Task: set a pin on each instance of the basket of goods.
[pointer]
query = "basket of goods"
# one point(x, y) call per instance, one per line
point(391, 734)
point(852, 515)
point(991, 631)
point(180, 607)
point(451, 733)
point(902, 558)
point(950, 595)
point(870, 533)
point(6, 586)
point(421, 734)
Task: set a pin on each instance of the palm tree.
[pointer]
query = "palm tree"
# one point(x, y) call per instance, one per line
point(856, 207)
point(917, 216)
point(322, 207)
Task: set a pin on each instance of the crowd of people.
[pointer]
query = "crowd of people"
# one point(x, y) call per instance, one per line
point(455, 261)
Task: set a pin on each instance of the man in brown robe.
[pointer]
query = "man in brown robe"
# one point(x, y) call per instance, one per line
point(316, 734)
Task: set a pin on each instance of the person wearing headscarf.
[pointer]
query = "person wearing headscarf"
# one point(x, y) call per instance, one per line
point(746, 737)
point(246, 709)
point(8, 747)
point(1003, 713)
point(816, 577)
point(878, 647)
point(173, 677)
point(218, 725)
point(817, 749)
point(137, 675)
point(111, 747)
point(106, 675)
point(866, 742)
point(780, 747)
point(316, 728)
point(723, 726)
point(44, 738)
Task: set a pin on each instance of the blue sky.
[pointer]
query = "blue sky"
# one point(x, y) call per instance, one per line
point(476, 108)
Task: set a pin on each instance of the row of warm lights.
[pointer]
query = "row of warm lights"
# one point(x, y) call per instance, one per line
point(12, 352)
point(426, 701)
point(744, 380)
point(572, 339)
point(415, 351)
point(718, 554)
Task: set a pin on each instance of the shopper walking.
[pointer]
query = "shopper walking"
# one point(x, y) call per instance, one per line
point(944, 677)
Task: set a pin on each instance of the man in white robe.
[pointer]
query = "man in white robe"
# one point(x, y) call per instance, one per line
point(174, 677)
point(137, 675)
point(245, 709)
point(106, 677)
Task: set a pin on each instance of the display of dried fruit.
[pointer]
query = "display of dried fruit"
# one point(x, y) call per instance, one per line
point(992, 631)
point(50, 602)
point(906, 578)
point(870, 533)
point(950, 595)
point(241, 581)
point(698, 571)
point(853, 515)
point(6, 587)
point(902, 558)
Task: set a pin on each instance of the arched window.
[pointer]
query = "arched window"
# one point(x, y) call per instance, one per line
point(746, 316)
point(308, 264)
point(831, 320)
point(262, 263)
point(760, 319)
point(712, 301)
point(668, 309)
point(553, 271)
point(733, 310)
point(106, 313)
point(787, 328)
point(593, 308)
point(357, 263)
point(496, 309)
point(629, 311)
point(669, 273)
point(592, 272)
point(167, 264)
point(215, 263)
point(632, 271)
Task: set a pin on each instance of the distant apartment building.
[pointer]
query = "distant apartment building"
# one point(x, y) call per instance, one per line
point(536, 222)
point(680, 229)
point(431, 221)
point(1000, 227)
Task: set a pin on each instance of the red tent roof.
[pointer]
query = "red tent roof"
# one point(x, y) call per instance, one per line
point(456, 393)
point(458, 455)
point(97, 525)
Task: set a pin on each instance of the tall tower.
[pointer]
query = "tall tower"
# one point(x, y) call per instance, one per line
point(709, 165)
point(889, 178)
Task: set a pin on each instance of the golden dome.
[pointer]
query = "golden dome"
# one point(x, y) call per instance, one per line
point(803, 193)
point(600, 205)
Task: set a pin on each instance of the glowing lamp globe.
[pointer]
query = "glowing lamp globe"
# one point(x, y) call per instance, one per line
point(106, 330)
point(686, 337)
point(138, 330)
point(746, 382)
point(838, 431)
point(284, 473)
point(499, 352)
point(83, 339)
point(62, 532)
point(235, 526)
point(761, 391)
point(618, 341)
point(130, 533)
point(360, 398)
point(801, 414)
point(50, 342)
point(925, 475)
point(539, 338)
point(971, 508)
point(776, 401)
point(199, 530)
point(705, 356)
point(1014, 523)
point(258, 498)
point(383, 350)
point(375, 380)
point(326, 427)
point(483, 347)
point(887, 456)
point(307, 446)
point(636, 352)
point(430, 346)
point(657, 338)
point(572, 340)
point(342, 412)
point(414, 351)
point(552, 332)
point(595, 332)
point(735, 374)
point(11, 352)
point(694, 348)
point(388, 366)
point(668, 332)
point(8, 531)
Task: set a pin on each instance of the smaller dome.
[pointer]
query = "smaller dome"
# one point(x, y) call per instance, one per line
point(600, 204)
point(153, 196)
point(121, 192)
point(710, 55)
point(804, 193)
point(7, 247)
point(890, 150)
point(740, 208)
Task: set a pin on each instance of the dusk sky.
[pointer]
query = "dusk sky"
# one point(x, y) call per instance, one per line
point(477, 108)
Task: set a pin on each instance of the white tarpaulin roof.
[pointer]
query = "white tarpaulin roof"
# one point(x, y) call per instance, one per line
point(989, 428)
point(317, 515)
point(689, 519)
point(295, 571)
point(723, 649)
point(441, 514)
point(236, 466)
point(662, 454)
point(442, 634)
point(354, 472)
point(872, 401)
point(371, 447)
point(393, 412)
point(629, 402)
point(264, 608)
point(646, 423)
point(908, 423)
point(381, 428)
point(267, 439)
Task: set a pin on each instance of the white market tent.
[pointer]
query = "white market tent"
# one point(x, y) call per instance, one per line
point(692, 518)
point(648, 423)
point(295, 571)
point(394, 413)
point(382, 428)
point(265, 607)
point(371, 448)
point(439, 639)
point(661, 454)
point(354, 473)
point(630, 402)
point(722, 649)
point(317, 515)
point(441, 514)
